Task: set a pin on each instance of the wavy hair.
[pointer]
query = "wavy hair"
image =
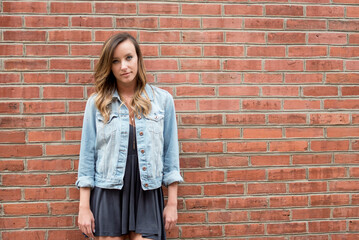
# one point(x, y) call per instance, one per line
point(105, 81)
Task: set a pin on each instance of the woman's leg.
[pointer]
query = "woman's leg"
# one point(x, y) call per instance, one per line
point(137, 236)
point(110, 238)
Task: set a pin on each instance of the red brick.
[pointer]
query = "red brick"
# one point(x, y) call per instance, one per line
point(342, 78)
point(38, 235)
point(204, 176)
point(303, 78)
point(327, 173)
point(284, 10)
point(280, 91)
point(245, 37)
point(201, 9)
point(346, 236)
point(270, 104)
point(269, 188)
point(220, 104)
point(159, 37)
point(69, 149)
point(46, 21)
point(247, 202)
point(12, 223)
point(63, 179)
point(312, 213)
point(201, 231)
point(352, 65)
point(20, 122)
point(222, 23)
point(346, 52)
point(45, 193)
point(344, 25)
point(191, 217)
point(226, 217)
point(25, 64)
point(12, 136)
point(325, 11)
point(161, 64)
point(329, 145)
point(49, 165)
point(47, 50)
point(44, 136)
point(68, 7)
point(63, 92)
point(312, 159)
point(82, 78)
point(115, 7)
point(286, 174)
point(14, 50)
point(337, 132)
point(238, 91)
point(288, 201)
point(190, 133)
point(101, 36)
point(70, 64)
point(267, 51)
point(327, 226)
point(290, 118)
point(18, 36)
point(288, 146)
point(220, 78)
point(244, 229)
point(307, 187)
point(223, 50)
point(142, 22)
point(350, 91)
point(156, 8)
point(181, 50)
point(320, 91)
point(246, 146)
point(191, 64)
point(283, 65)
point(279, 160)
point(10, 21)
point(25, 7)
point(352, 11)
point(50, 222)
point(63, 121)
point(243, 9)
point(242, 65)
point(219, 133)
point(304, 24)
point(10, 195)
point(9, 78)
point(245, 119)
point(270, 215)
point(329, 118)
point(9, 107)
point(304, 132)
point(189, 190)
point(20, 150)
point(262, 78)
point(347, 158)
point(228, 161)
point(329, 200)
point(65, 234)
point(246, 175)
point(92, 22)
point(64, 208)
point(202, 37)
point(202, 147)
point(265, 23)
point(178, 77)
point(307, 51)
point(70, 36)
point(25, 209)
point(327, 38)
point(205, 203)
point(343, 186)
point(44, 77)
point(258, 133)
point(286, 228)
point(24, 180)
point(286, 38)
point(353, 38)
point(192, 162)
point(185, 105)
point(44, 107)
point(324, 65)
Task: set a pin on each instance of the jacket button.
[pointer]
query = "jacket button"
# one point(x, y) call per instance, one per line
point(144, 168)
point(141, 133)
point(139, 117)
point(146, 185)
point(142, 151)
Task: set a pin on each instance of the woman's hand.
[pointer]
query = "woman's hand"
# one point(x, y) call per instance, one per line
point(170, 216)
point(86, 221)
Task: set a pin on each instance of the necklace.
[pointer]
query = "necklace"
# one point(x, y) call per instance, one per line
point(127, 101)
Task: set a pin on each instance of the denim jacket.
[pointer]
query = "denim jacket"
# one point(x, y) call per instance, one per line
point(103, 151)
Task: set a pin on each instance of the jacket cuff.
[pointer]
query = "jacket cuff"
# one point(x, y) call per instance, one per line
point(85, 181)
point(172, 177)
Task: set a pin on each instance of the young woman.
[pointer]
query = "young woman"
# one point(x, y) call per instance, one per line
point(129, 148)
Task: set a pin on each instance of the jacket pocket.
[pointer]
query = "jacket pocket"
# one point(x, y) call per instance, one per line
point(154, 122)
point(106, 131)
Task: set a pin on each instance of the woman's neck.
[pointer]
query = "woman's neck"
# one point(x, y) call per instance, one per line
point(126, 91)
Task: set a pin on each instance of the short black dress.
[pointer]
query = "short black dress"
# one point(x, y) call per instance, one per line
point(131, 209)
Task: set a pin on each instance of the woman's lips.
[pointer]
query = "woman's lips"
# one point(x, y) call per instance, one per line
point(125, 74)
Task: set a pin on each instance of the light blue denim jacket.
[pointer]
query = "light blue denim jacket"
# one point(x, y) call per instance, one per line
point(103, 150)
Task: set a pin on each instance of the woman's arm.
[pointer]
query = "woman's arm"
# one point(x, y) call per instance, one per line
point(170, 211)
point(86, 220)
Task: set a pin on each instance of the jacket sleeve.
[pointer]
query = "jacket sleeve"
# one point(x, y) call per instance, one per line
point(171, 170)
point(86, 170)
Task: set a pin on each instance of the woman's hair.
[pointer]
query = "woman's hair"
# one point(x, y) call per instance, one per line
point(105, 81)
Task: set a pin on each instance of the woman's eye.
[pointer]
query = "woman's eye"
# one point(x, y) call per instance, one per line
point(129, 58)
point(115, 61)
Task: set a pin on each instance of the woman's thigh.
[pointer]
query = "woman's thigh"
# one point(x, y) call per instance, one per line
point(110, 238)
point(137, 236)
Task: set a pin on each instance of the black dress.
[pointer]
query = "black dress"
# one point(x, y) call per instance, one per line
point(117, 212)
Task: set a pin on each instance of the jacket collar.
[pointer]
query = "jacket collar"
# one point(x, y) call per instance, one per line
point(148, 89)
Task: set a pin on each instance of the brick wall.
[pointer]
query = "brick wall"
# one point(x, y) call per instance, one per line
point(266, 94)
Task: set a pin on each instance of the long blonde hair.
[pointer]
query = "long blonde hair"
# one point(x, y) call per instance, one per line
point(105, 81)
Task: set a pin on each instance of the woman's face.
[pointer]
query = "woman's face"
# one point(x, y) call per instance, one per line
point(124, 63)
